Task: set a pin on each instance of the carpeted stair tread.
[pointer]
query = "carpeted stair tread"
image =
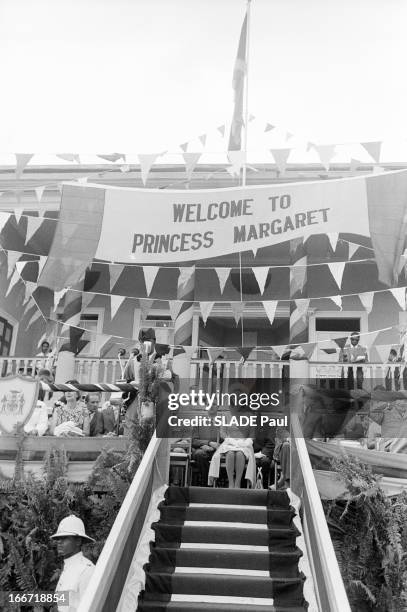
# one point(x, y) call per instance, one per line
point(176, 514)
point(166, 535)
point(287, 591)
point(184, 606)
point(282, 564)
point(213, 495)
point(224, 550)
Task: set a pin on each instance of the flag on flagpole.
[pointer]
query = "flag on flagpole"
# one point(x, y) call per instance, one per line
point(238, 82)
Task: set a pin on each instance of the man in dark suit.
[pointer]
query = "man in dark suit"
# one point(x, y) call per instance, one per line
point(96, 423)
point(263, 446)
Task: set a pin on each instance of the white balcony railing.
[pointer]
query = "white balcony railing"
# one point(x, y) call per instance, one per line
point(209, 375)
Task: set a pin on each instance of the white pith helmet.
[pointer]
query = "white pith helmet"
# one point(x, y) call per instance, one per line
point(71, 526)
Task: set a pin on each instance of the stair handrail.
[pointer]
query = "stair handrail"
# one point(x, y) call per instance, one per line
point(330, 589)
point(105, 587)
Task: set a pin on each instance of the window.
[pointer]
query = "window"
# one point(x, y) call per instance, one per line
point(6, 337)
point(92, 322)
point(324, 326)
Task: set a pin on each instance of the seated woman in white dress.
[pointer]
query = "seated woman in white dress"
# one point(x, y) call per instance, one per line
point(237, 446)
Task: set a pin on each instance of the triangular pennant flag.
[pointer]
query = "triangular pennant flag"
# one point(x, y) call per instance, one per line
point(280, 157)
point(4, 217)
point(12, 259)
point(33, 223)
point(114, 275)
point(72, 157)
point(326, 153)
point(22, 159)
point(184, 276)
point(367, 300)
point(14, 279)
point(270, 309)
point(333, 240)
point(150, 273)
point(115, 302)
point(202, 138)
point(29, 290)
point(354, 164)
point(237, 159)
point(237, 309)
point(302, 306)
point(20, 265)
point(86, 299)
point(352, 249)
point(189, 351)
point(223, 275)
point(337, 268)
point(184, 146)
point(373, 148)
point(337, 300)
point(18, 214)
point(298, 274)
point(191, 159)
point(28, 308)
point(37, 315)
point(308, 349)
point(145, 307)
point(254, 251)
point(269, 127)
point(206, 308)
point(146, 161)
point(399, 294)
point(39, 192)
point(369, 339)
point(221, 130)
point(341, 341)
point(41, 264)
point(175, 307)
point(214, 353)
point(58, 295)
point(112, 157)
point(279, 349)
point(244, 351)
point(261, 275)
point(384, 350)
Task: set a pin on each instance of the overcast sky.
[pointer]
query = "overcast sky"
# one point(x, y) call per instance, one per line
point(148, 75)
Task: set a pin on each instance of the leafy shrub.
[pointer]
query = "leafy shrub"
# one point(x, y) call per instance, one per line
point(370, 538)
point(32, 507)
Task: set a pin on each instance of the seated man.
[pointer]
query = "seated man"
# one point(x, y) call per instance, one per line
point(263, 446)
point(112, 415)
point(282, 456)
point(96, 423)
point(393, 419)
point(37, 424)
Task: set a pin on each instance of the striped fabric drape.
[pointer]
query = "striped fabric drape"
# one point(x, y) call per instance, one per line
point(298, 279)
point(183, 322)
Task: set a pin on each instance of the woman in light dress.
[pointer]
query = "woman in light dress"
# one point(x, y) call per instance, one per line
point(237, 447)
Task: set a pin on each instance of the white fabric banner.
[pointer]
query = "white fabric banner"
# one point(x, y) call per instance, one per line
point(187, 225)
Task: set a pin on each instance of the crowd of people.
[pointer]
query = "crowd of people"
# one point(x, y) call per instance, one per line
point(76, 414)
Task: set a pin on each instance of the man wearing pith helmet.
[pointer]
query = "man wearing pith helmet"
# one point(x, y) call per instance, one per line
point(77, 569)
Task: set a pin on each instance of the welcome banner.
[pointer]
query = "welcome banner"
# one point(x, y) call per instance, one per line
point(152, 226)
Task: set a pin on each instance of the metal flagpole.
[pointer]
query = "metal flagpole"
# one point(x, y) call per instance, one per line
point(246, 121)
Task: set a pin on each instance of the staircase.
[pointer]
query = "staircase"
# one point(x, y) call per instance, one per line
point(231, 550)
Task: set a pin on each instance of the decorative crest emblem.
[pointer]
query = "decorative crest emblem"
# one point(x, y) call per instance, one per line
point(18, 397)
